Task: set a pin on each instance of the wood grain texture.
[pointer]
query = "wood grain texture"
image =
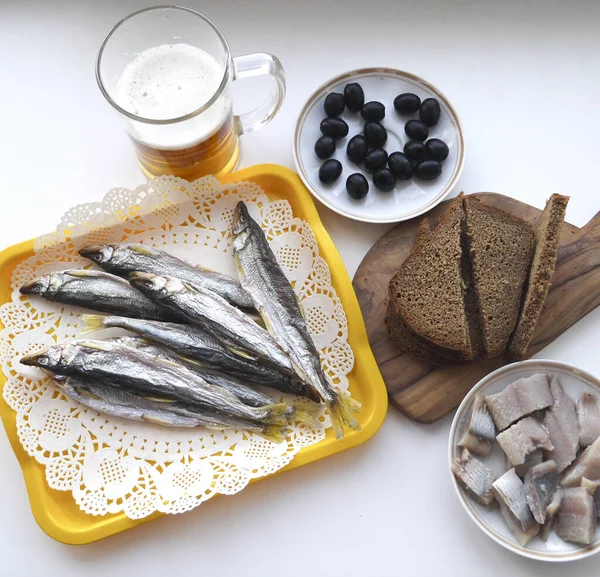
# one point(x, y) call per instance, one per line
point(425, 392)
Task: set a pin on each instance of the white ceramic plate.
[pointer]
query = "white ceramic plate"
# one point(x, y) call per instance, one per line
point(574, 382)
point(410, 198)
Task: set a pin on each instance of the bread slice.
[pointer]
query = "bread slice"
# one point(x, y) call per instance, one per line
point(427, 293)
point(501, 249)
point(540, 276)
point(399, 332)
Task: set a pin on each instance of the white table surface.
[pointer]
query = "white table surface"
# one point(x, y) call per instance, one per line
point(525, 79)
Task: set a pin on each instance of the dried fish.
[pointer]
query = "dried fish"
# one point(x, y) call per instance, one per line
point(480, 432)
point(475, 477)
point(123, 259)
point(541, 482)
point(201, 346)
point(522, 439)
point(577, 516)
point(520, 399)
point(510, 494)
point(214, 314)
point(561, 421)
point(588, 412)
point(587, 465)
point(98, 291)
point(277, 303)
point(552, 513)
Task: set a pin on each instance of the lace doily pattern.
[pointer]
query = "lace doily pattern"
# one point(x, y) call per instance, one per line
point(110, 464)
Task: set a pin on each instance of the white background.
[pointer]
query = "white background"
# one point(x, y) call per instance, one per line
point(525, 79)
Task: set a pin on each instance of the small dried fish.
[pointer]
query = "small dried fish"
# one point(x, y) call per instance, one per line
point(588, 412)
point(214, 314)
point(510, 494)
point(587, 465)
point(116, 402)
point(202, 347)
point(577, 516)
point(562, 424)
point(541, 482)
point(475, 477)
point(123, 259)
point(522, 439)
point(480, 432)
point(532, 460)
point(247, 395)
point(552, 513)
point(277, 303)
point(520, 399)
point(593, 488)
point(98, 291)
point(142, 374)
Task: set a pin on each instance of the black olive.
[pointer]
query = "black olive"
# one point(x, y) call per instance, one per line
point(415, 150)
point(334, 127)
point(375, 134)
point(384, 180)
point(374, 111)
point(436, 149)
point(357, 148)
point(354, 97)
point(334, 104)
point(407, 103)
point(400, 166)
point(430, 111)
point(375, 159)
point(357, 185)
point(416, 130)
point(330, 171)
point(428, 170)
point(324, 147)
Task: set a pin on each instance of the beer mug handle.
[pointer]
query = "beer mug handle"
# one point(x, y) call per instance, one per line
point(257, 65)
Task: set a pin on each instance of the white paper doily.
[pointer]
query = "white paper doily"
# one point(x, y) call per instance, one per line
point(110, 464)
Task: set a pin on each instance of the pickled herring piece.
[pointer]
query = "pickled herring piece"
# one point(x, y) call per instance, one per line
point(481, 431)
point(577, 516)
point(520, 399)
point(587, 465)
point(522, 439)
point(475, 477)
point(552, 514)
point(588, 412)
point(541, 482)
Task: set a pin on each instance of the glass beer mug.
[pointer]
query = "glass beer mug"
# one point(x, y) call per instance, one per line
point(168, 71)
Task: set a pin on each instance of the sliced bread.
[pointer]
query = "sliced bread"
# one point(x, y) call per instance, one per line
point(540, 276)
point(501, 249)
point(427, 293)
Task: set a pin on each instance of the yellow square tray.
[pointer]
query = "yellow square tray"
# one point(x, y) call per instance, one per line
point(57, 513)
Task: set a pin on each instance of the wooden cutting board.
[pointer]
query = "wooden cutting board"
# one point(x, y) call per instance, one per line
point(425, 392)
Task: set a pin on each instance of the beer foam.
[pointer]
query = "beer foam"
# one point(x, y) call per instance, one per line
point(169, 81)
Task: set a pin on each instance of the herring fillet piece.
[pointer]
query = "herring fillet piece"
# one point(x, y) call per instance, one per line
point(277, 303)
point(117, 402)
point(123, 259)
point(212, 313)
point(562, 424)
point(552, 514)
point(480, 432)
point(541, 482)
point(522, 439)
point(593, 488)
point(510, 494)
point(246, 394)
point(531, 460)
point(475, 477)
point(577, 516)
point(96, 290)
point(193, 342)
point(588, 412)
point(142, 374)
point(519, 399)
point(586, 465)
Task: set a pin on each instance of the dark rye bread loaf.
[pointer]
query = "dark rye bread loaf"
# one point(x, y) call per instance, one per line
point(501, 249)
point(427, 292)
point(540, 276)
